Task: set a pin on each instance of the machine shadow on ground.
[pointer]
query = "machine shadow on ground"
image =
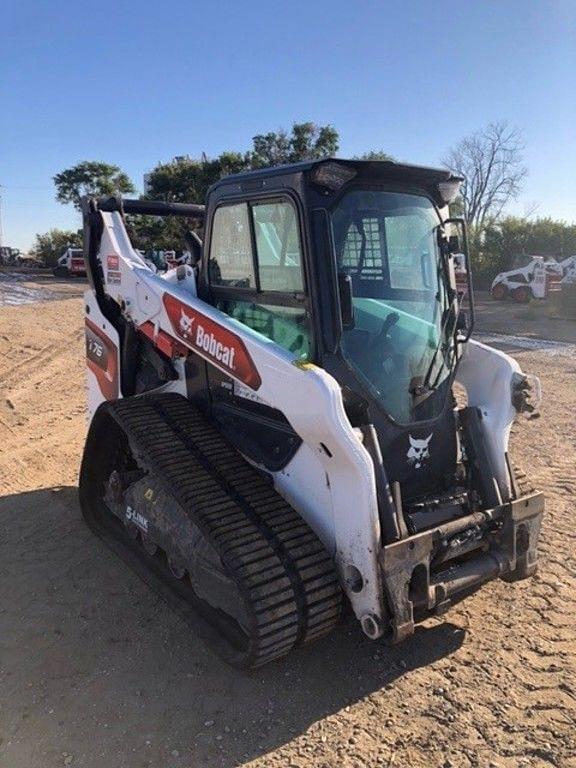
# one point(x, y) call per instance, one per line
point(80, 633)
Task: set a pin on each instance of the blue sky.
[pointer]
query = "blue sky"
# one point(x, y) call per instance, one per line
point(134, 83)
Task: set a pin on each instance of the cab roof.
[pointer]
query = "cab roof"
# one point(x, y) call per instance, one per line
point(368, 170)
point(385, 169)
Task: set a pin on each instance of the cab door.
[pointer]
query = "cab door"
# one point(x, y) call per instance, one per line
point(256, 275)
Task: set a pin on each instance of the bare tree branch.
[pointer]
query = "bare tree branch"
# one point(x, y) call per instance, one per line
point(530, 208)
point(490, 161)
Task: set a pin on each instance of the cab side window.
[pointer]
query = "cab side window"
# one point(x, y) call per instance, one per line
point(231, 262)
point(278, 247)
point(256, 271)
point(287, 326)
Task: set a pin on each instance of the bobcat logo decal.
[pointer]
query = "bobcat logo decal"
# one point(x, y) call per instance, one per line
point(418, 451)
point(216, 343)
point(185, 324)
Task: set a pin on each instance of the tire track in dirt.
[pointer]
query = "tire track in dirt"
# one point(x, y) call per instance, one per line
point(27, 365)
point(11, 374)
point(42, 395)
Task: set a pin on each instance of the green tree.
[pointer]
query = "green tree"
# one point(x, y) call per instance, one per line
point(307, 141)
point(513, 238)
point(186, 179)
point(156, 233)
point(183, 179)
point(49, 246)
point(374, 154)
point(90, 178)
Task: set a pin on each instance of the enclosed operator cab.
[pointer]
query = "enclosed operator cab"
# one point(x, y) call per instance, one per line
point(348, 266)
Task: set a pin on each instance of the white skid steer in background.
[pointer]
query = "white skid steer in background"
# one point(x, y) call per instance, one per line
point(535, 280)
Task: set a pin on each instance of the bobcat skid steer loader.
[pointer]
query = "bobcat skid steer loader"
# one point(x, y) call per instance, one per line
point(273, 427)
point(535, 280)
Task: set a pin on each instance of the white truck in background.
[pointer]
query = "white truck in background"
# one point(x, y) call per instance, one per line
point(70, 264)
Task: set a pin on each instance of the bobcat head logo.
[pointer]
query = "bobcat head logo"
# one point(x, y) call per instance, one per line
point(185, 323)
point(418, 451)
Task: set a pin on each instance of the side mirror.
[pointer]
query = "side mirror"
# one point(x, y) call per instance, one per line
point(346, 304)
point(468, 292)
point(454, 244)
point(462, 324)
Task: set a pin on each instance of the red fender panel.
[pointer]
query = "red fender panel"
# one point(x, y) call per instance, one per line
point(218, 345)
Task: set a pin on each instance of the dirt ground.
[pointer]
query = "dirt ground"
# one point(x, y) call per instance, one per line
point(23, 287)
point(95, 670)
point(534, 320)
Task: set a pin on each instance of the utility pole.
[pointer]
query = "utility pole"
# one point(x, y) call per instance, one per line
point(1, 229)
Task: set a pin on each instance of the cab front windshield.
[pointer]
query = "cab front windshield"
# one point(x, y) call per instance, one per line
point(401, 344)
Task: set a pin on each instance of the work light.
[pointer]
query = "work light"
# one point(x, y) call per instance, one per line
point(449, 189)
point(332, 175)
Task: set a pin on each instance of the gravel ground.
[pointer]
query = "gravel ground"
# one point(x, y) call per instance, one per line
point(95, 670)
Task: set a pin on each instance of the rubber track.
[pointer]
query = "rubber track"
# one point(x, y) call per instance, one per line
point(283, 572)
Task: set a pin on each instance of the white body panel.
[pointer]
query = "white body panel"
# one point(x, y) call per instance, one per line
point(96, 394)
point(487, 374)
point(306, 486)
